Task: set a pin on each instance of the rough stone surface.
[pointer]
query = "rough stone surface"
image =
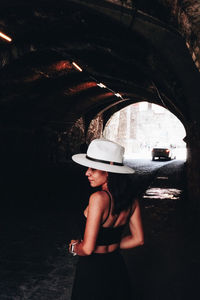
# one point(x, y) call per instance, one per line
point(183, 15)
point(136, 52)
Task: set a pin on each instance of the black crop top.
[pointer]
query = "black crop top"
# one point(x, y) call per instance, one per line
point(107, 235)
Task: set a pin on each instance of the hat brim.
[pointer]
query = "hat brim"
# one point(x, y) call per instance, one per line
point(81, 159)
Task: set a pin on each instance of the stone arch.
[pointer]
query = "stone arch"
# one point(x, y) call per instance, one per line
point(141, 59)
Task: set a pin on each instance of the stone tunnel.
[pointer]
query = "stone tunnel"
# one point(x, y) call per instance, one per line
point(67, 66)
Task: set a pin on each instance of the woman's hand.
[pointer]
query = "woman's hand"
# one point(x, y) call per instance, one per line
point(73, 242)
point(77, 248)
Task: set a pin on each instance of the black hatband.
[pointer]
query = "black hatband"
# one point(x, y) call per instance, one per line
point(104, 161)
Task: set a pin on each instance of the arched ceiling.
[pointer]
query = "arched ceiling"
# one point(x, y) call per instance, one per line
point(117, 43)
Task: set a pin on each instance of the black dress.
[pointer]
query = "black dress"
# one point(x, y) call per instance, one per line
point(102, 276)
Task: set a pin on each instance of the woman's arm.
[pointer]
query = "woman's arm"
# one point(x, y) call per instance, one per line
point(96, 208)
point(136, 238)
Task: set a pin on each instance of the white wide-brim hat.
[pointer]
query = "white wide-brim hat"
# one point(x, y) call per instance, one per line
point(104, 155)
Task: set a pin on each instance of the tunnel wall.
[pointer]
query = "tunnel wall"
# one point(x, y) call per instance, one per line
point(193, 167)
point(37, 145)
point(37, 172)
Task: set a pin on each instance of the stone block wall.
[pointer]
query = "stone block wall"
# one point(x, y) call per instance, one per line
point(187, 14)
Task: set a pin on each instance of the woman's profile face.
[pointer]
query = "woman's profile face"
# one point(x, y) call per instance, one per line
point(96, 177)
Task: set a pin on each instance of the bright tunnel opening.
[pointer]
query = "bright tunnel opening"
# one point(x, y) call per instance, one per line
point(142, 126)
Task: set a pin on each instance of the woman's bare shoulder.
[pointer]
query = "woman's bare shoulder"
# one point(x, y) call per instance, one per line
point(98, 198)
point(98, 194)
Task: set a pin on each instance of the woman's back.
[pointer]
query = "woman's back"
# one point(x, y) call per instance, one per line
point(109, 219)
point(112, 226)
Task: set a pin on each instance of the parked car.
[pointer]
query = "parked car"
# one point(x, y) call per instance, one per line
point(163, 152)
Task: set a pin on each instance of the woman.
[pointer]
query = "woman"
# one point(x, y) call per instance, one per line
point(101, 272)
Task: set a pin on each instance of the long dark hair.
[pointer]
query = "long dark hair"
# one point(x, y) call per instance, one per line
point(122, 190)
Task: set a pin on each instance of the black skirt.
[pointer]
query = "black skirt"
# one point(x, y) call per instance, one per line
point(101, 277)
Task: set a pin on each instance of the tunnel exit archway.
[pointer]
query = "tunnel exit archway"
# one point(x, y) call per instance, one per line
point(142, 126)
